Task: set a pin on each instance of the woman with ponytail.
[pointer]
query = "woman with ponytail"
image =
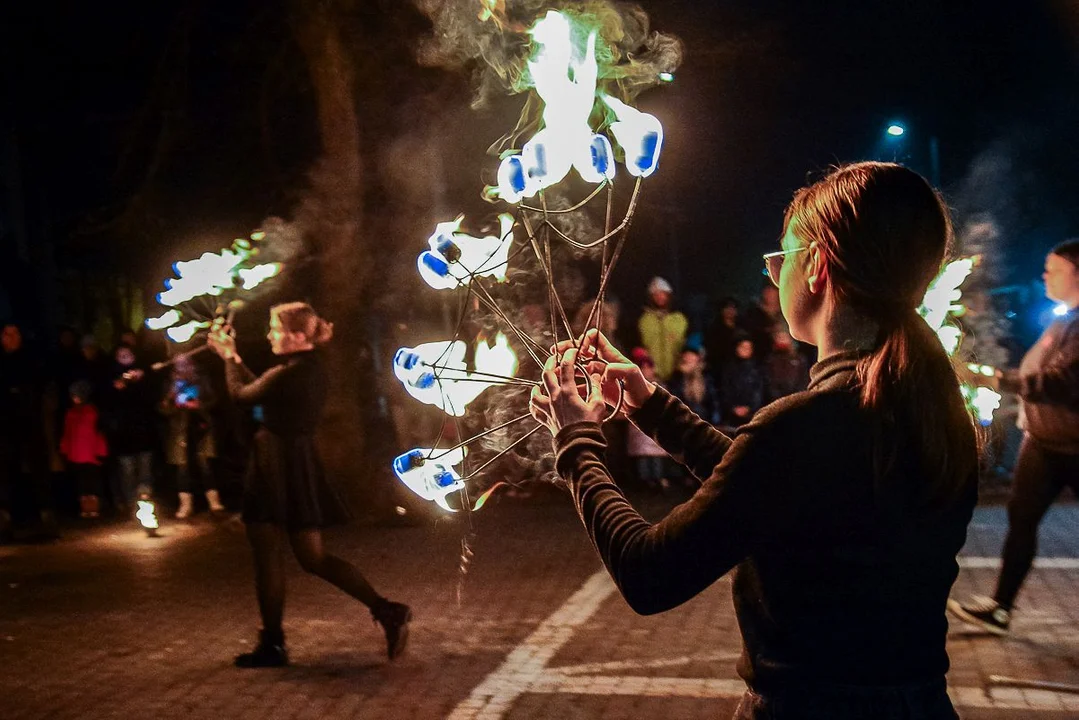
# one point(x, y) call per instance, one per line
point(285, 492)
point(839, 510)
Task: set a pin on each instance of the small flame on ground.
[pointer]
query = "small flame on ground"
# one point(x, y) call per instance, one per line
point(146, 516)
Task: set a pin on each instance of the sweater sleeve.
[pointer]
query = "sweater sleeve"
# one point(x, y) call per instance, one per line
point(244, 387)
point(1058, 385)
point(687, 438)
point(660, 566)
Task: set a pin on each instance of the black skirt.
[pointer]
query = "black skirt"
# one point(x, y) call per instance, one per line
point(286, 485)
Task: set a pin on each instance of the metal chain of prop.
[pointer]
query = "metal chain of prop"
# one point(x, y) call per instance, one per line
point(564, 75)
point(564, 72)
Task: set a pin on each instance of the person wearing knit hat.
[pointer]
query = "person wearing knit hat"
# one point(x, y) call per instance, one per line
point(663, 331)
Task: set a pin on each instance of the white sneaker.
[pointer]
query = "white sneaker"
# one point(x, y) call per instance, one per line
point(984, 613)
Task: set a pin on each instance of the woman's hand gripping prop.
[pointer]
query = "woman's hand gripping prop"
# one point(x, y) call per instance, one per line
point(611, 379)
point(222, 340)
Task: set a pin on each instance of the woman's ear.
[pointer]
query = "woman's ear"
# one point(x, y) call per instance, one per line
point(816, 269)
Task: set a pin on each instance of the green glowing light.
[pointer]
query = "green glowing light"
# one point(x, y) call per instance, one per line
point(666, 77)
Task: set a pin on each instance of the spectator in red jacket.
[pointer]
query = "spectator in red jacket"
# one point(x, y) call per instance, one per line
point(83, 445)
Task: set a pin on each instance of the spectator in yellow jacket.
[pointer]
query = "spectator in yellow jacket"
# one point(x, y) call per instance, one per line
point(663, 331)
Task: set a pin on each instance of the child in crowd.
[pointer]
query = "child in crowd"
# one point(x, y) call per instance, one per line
point(84, 446)
point(743, 385)
point(648, 457)
point(693, 386)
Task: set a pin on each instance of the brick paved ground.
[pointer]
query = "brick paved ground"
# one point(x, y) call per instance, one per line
point(110, 624)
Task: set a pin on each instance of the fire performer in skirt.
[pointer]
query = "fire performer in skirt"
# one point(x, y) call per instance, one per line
point(286, 494)
point(840, 510)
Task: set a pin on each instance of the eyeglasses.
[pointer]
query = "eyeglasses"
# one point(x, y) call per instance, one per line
point(773, 263)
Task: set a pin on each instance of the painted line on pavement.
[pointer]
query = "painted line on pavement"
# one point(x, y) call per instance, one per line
point(1042, 563)
point(525, 668)
point(526, 663)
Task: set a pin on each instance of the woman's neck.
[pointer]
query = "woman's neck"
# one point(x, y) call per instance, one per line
point(843, 330)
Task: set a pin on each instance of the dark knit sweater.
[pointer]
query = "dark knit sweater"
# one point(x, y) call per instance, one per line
point(833, 583)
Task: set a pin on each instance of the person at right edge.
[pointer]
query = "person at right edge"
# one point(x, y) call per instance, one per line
point(840, 510)
point(1047, 383)
point(285, 492)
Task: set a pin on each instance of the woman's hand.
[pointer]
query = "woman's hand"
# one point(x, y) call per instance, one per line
point(220, 339)
point(558, 402)
point(616, 371)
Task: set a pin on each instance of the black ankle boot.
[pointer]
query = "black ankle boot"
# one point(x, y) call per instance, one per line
point(394, 618)
point(270, 652)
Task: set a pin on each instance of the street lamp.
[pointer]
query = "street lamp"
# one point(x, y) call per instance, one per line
point(897, 131)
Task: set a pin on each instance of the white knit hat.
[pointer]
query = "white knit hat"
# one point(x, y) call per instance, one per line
point(658, 284)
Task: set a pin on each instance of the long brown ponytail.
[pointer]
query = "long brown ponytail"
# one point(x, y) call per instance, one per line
point(884, 232)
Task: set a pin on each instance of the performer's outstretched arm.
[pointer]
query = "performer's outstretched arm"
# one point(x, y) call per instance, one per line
point(678, 430)
point(658, 567)
point(244, 387)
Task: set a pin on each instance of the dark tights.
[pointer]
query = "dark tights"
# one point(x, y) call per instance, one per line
point(1040, 475)
point(267, 542)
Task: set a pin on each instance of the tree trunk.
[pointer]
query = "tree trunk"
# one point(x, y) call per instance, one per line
point(330, 215)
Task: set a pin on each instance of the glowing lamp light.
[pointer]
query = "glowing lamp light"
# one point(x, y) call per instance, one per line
point(430, 474)
point(1060, 310)
point(639, 134)
point(160, 323)
point(896, 130)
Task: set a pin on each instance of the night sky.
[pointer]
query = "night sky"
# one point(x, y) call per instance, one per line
point(201, 113)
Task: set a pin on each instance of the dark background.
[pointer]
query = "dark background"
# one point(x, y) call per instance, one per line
point(137, 134)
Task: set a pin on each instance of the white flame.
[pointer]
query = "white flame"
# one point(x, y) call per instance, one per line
point(430, 474)
point(253, 277)
point(944, 292)
point(435, 373)
point(565, 79)
point(160, 323)
point(210, 274)
point(183, 333)
point(497, 359)
point(984, 401)
point(941, 301)
point(455, 256)
point(146, 516)
point(639, 134)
